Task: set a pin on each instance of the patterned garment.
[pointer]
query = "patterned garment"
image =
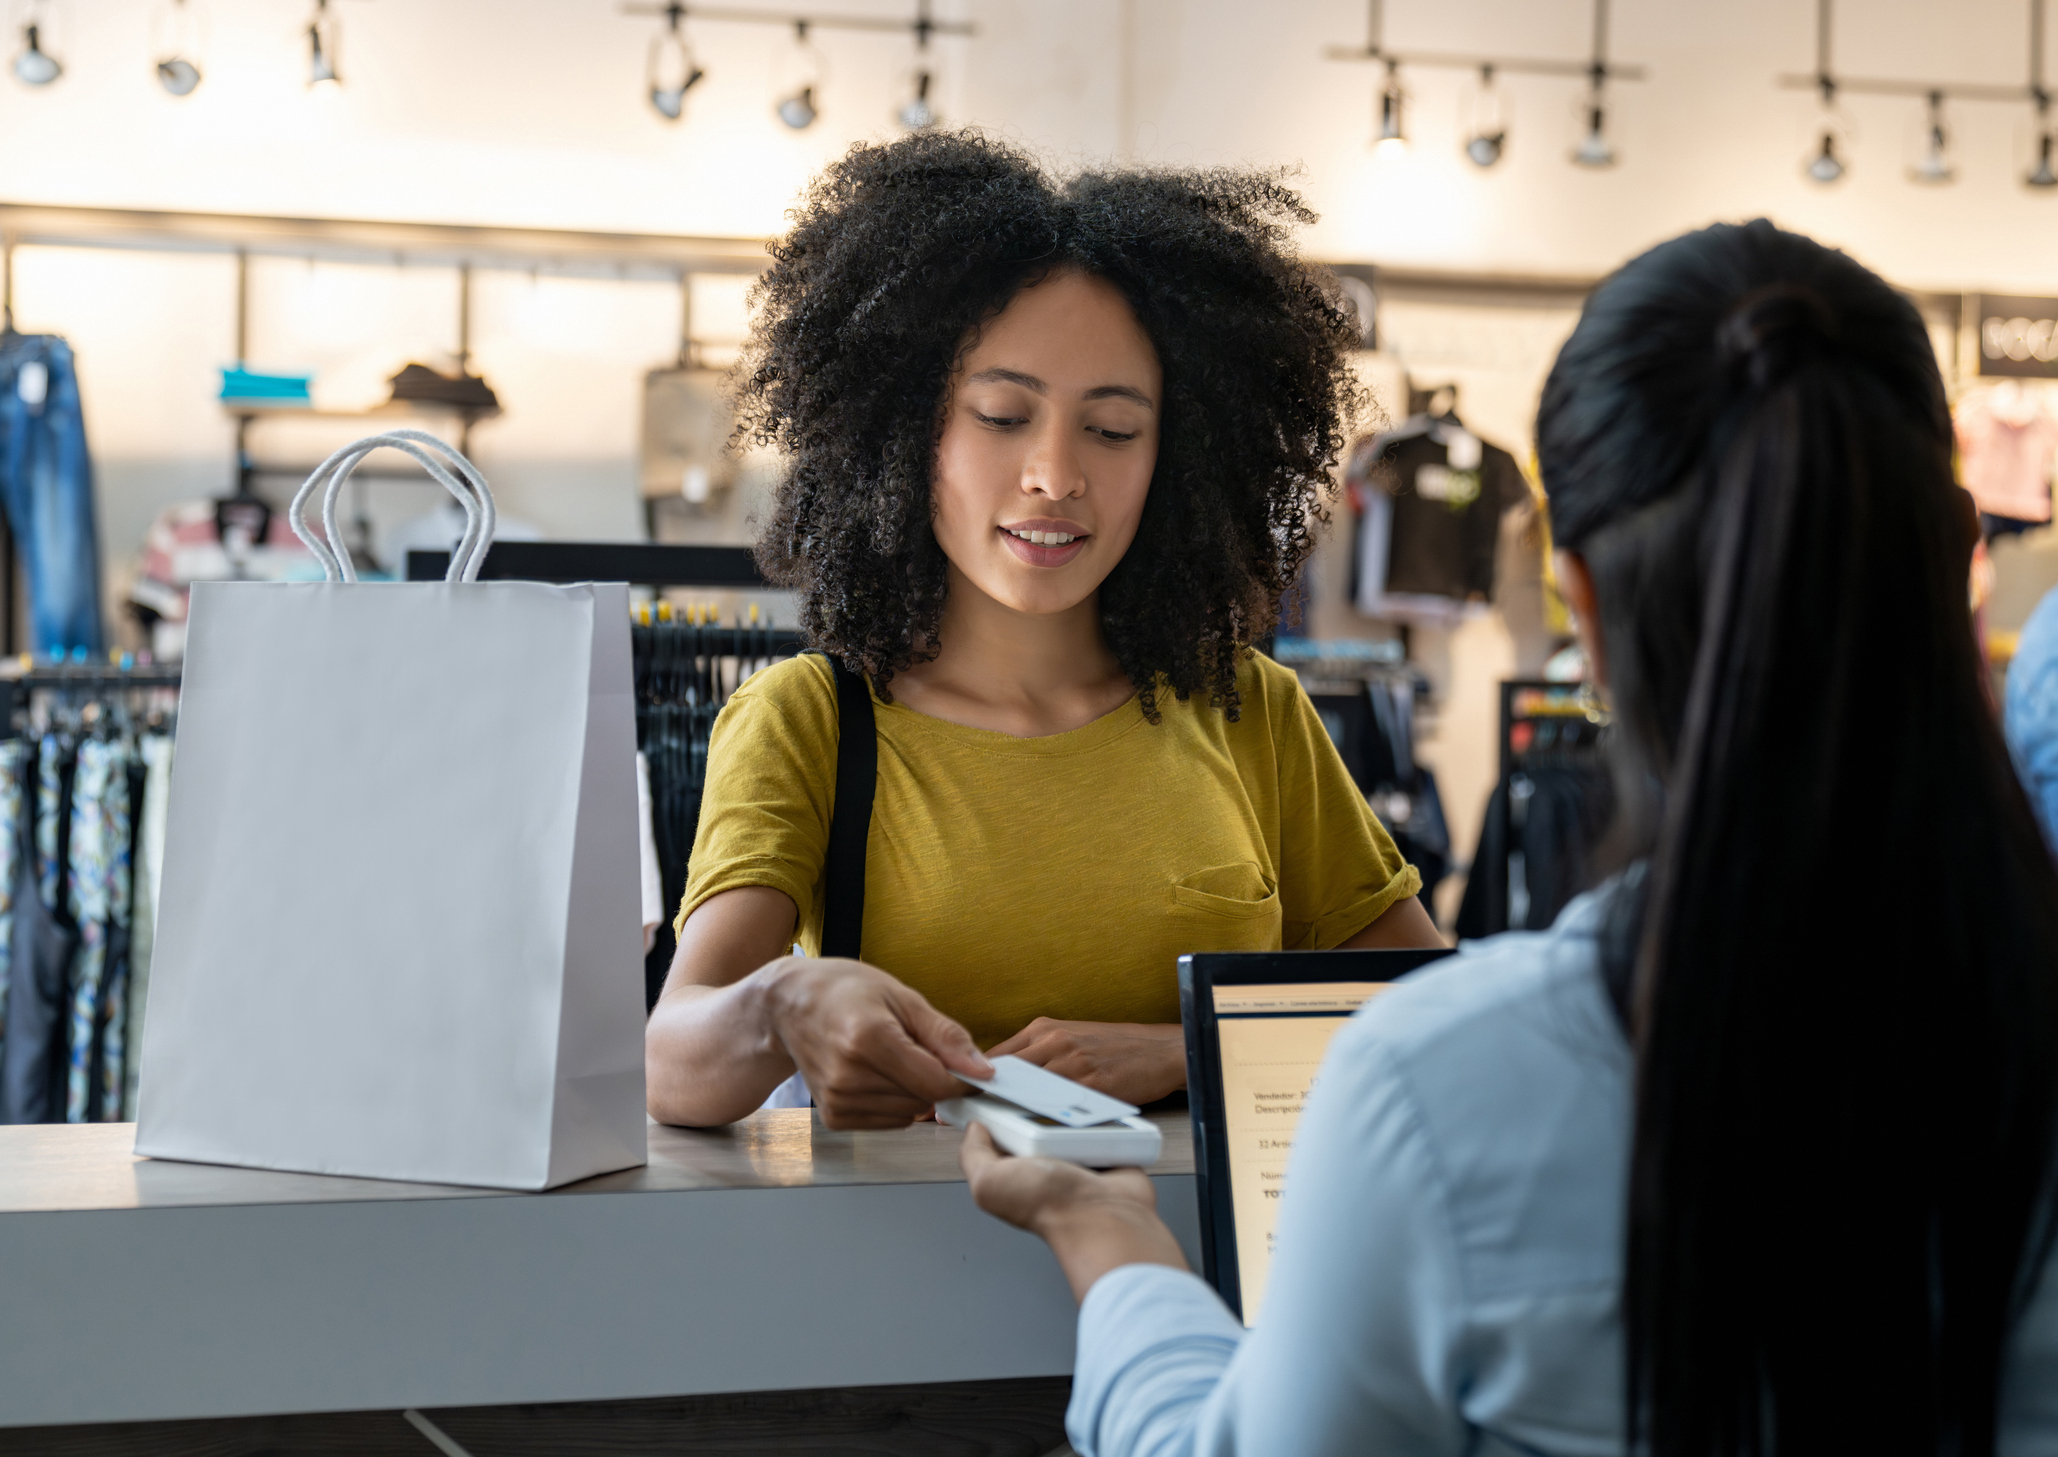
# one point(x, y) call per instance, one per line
point(49, 816)
point(99, 904)
point(13, 759)
point(156, 750)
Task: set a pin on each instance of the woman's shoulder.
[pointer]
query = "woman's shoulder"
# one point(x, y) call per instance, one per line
point(1267, 694)
point(798, 694)
point(1496, 1023)
point(1513, 1070)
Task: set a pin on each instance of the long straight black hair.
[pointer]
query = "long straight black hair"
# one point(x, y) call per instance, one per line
point(1840, 971)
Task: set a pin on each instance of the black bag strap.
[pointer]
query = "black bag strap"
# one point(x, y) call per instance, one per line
point(850, 822)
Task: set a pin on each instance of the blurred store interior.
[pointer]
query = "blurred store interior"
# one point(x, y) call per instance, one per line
point(532, 226)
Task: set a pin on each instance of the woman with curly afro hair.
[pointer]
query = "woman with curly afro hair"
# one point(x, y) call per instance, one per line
point(1052, 451)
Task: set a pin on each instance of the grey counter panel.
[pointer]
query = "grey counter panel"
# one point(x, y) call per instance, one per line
point(772, 1256)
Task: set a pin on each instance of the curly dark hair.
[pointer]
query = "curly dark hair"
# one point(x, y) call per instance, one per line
point(900, 253)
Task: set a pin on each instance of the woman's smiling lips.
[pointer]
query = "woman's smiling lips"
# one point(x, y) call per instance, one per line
point(1044, 543)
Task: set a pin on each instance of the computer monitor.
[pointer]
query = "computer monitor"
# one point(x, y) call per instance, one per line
point(1257, 1026)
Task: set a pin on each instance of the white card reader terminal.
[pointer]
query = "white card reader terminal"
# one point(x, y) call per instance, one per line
point(1035, 1113)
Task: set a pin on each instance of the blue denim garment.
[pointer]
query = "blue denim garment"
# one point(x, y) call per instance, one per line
point(46, 485)
point(2031, 713)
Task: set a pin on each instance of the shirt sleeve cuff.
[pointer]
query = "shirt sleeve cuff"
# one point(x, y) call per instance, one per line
point(1153, 1343)
point(763, 870)
point(1339, 926)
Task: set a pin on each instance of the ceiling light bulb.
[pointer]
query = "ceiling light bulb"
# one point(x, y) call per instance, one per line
point(798, 110)
point(1826, 166)
point(34, 66)
point(671, 72)
point(2041, 175)
point(1485, 120)
point(1933, 167)
point(322, 74)
point(799, 81)
point(176, 41)
point(917, 112)
point(178, 75)
point(1393, 132)
point(1593, 149)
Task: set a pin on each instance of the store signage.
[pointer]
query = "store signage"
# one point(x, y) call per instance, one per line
point(2017, 336)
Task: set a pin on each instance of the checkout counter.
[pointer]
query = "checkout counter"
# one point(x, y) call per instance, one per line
point(772, 1256)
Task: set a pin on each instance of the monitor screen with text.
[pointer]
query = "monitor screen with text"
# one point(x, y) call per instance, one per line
point(1272, 1039)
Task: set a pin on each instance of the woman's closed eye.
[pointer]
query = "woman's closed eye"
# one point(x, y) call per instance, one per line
point(1000, 422)
point(1116, 437)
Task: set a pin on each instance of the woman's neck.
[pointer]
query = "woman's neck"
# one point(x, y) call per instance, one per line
point(1013, 672)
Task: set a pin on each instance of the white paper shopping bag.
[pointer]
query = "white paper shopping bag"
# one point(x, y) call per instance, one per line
point(400, 928)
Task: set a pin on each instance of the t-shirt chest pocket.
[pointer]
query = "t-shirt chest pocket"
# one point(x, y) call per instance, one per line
point(1239, 891)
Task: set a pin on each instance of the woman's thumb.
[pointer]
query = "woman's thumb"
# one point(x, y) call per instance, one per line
point(945, 1039)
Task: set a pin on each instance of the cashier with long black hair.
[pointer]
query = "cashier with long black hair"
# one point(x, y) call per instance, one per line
point(1052, 452)
point(1752, 1152)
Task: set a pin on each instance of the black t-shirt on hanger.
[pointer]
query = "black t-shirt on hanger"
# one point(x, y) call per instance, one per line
point(1446, 519)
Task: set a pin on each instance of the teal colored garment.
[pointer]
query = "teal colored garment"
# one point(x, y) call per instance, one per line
point(2032, 712)
point(1449, 1247)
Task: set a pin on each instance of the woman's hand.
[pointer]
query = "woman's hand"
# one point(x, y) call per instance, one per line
point(1093, 1223)
point(874, 1052)
point(1138, 1062)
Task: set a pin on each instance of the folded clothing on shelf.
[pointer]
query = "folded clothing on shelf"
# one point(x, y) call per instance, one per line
point(263, 387)
point(419, 384)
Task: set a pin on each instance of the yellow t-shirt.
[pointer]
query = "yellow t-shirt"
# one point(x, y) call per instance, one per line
point(1064, 876)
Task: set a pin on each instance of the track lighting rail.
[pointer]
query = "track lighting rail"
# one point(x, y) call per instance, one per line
point(1375, 49)
point(921, 26)
point(1825, 79)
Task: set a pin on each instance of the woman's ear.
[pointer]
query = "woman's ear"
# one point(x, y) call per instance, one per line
point(1576, 586)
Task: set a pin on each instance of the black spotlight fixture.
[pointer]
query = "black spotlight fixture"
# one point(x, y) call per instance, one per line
point(34, 66)
point(671, 71)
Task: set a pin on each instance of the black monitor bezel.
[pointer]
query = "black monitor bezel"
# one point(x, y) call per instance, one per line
point(1199, 974)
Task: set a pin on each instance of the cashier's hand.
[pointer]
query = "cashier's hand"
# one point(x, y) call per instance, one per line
point(1093, 1222)
point(1138, 1062)
point(874, 1052)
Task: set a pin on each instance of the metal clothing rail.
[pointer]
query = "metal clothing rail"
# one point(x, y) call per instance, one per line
point(87, 677)
point(652, 255)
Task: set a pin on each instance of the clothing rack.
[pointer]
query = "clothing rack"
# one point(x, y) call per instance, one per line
point(85, 774)
point(76, 678)
point(1553, 803)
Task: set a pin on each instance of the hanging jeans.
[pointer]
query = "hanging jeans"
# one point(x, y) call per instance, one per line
point(46, 485)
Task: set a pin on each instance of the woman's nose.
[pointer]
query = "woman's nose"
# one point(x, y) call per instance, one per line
point(1052, 468)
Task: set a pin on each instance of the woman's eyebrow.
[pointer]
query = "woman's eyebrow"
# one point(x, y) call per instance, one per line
point(1010, 376)
point(1120, 392)
point(998, 375)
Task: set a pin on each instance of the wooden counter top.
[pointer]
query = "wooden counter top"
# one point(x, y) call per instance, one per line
point(770, 1255)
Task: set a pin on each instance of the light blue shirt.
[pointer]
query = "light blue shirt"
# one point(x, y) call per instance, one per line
point(1449, 1249)
point(2032, 711)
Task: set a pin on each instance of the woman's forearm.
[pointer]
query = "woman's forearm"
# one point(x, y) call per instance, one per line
point(1090, 1238)
point(710, 1053)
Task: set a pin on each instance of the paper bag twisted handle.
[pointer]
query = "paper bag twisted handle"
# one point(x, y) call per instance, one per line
point(466, 484)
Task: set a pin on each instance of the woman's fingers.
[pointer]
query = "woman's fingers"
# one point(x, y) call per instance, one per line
point(945, 1040)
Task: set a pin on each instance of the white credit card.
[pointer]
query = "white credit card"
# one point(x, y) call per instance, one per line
point(1043, 1092)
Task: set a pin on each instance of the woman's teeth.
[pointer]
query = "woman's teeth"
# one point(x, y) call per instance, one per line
point(1042, 538)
